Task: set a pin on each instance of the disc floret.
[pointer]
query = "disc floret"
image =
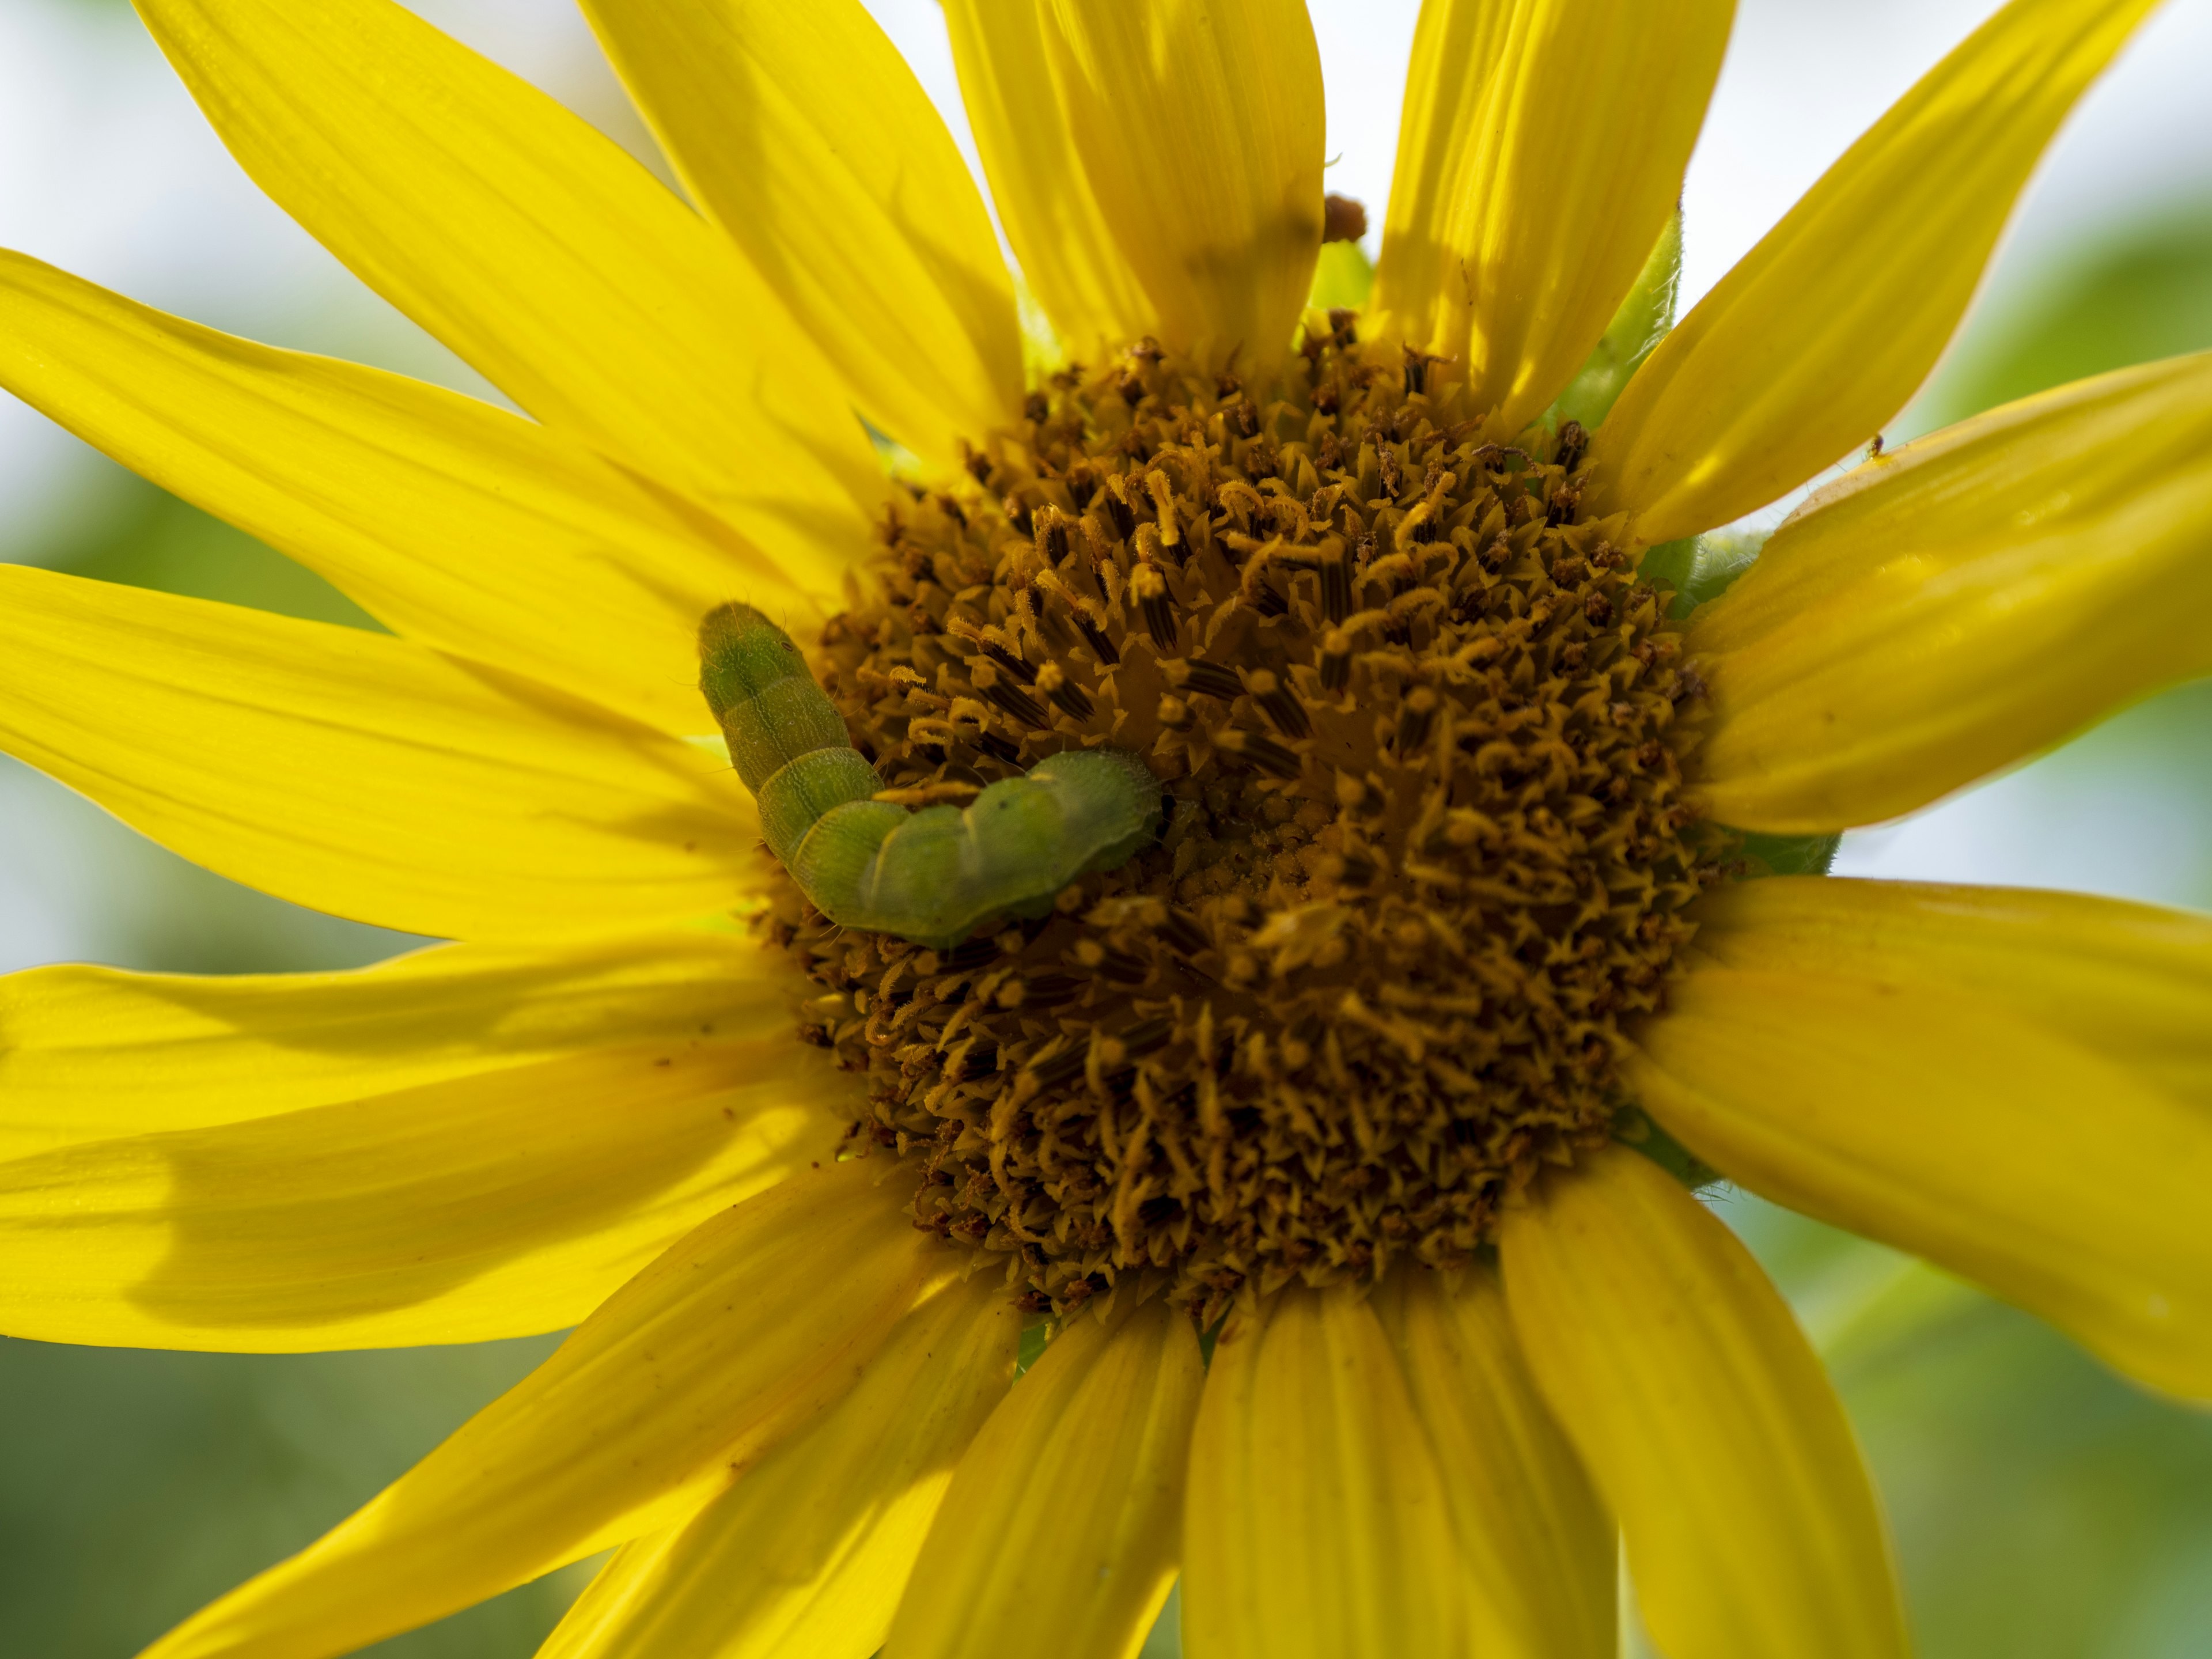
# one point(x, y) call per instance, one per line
point(1421, 730)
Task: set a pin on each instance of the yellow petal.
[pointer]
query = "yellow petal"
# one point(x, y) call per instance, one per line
point(1861, 1087)
point(455, 523)
point(1536, 1549)
point(1540, 155)
point(740, 1335)
point(1704, 1419)
point(1199, 127)
point(1318, 1524)
point(91, 1053)
point(805, 1556)
point(537, 249)
point(1063, 1518)
point(800, 130)
point(2130, 982)
point(1827, 327)
point(1069, 257)
point(499, 1205)
point(363, 775)
point(1964, 602)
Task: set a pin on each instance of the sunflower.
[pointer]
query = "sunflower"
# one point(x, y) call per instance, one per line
point(1325, 1169)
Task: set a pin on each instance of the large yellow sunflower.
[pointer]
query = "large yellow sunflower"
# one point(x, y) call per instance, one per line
point(1342, 1139)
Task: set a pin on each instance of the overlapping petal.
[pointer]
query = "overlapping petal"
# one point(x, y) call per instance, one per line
point(740, 1335)
point(95, 1054)
point(538, 251)
point(1964, 602)
point(1536, 1549)
point(1540, 155)
point(800, 130)
point(1704, 1417)
point(456, 523)
point(1062, 1519)
point(1318, 1522)
point(499, 1205)
point(1069, 255)
point(1825, 329)
point(363, 775)
point(1199, 126)
point(807, 1554)
point(1955, 1072)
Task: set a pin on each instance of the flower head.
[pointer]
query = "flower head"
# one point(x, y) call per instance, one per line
point(1330, 1115)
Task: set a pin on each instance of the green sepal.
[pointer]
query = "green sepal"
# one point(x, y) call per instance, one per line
point(1700, 569)
point(1343, 279)
point(1634, 1126)
point(1644, 319)
point(1787, 855)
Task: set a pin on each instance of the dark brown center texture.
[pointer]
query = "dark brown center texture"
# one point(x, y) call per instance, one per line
point(1422, 733)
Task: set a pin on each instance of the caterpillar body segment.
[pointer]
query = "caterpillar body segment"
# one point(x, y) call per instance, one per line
point(930, 876)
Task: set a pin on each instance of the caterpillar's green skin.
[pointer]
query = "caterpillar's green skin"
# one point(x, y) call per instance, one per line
point(931, 876)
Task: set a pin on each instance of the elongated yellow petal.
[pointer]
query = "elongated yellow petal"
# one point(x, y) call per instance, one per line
point(538, 251)
point(1199, 127)
point(800, 130)
point(457, 524)
point(1063, 1518)
point(1964, 602)
point(1069, 256)
point(1704, 1418)
point(1943, 1121)
point(1540, 155)
point(1536, 1549)
point(740, 1335)
point(93, 1054)
point(499, 1205)
point(1318, 1522)
point(1826, 327)
point(805, 1556)
point(363, 775)
point(2130, 982)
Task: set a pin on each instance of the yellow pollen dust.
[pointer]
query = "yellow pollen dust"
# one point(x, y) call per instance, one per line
point(1421, 730)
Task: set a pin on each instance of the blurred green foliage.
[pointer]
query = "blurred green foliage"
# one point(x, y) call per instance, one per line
point(2044, 1509)
point(2136, 297)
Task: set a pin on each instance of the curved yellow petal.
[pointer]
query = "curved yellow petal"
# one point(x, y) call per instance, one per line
point(1963, 603)
point(739, 1336)
point(94, 1053)
point(363, 775)
point(1061, 1520)
point(1704, 1418)
point(1069, 257)
point(806, 1556)
point(1540, 156)
point(802, 132)
point(456, 523)
point(1318, 1523)
point(1938, 1120)
point(1199, 127)
point(1826, 328)
point(538, 251)
point(2130, 982)
point(1536, 1549)
point(500, 1205)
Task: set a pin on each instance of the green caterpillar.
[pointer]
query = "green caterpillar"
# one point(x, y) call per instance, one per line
point(930, 876)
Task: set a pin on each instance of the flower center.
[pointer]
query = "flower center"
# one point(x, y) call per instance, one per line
point(1420, 730)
